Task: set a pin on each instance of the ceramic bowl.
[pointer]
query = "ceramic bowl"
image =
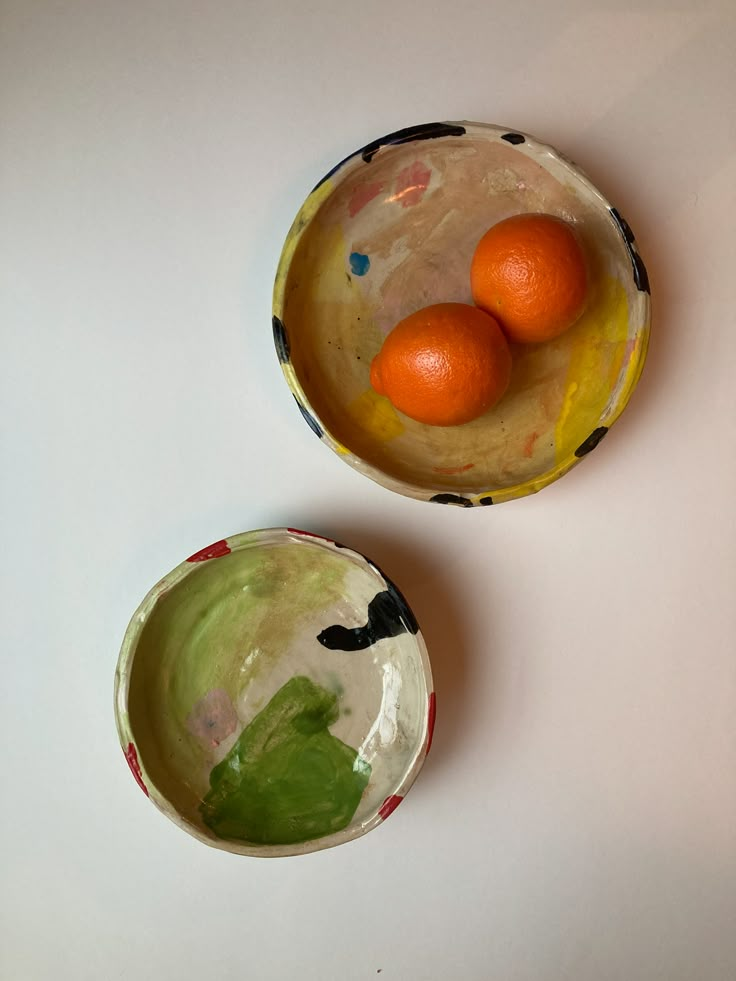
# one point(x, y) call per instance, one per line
point(273, 694)
point(393, 228)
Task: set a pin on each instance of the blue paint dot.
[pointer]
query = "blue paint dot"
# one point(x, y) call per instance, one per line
point(359, 263)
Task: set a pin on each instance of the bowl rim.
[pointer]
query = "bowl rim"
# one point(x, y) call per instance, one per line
point(131, 638)
point(536, 149)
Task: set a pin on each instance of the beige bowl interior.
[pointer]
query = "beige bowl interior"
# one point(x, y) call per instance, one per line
point(387, 235)
point(290, 663)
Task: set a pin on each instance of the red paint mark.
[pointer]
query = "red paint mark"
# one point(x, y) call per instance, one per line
point(135, 768)
point(309, 534)
point(389, 806)
point(215, 551)
point(431, 713)
point(411, 183)
point(360, 197)
point(529, 445)
point(452, 470)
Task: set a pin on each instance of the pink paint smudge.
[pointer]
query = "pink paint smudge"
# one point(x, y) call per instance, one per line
point(451, 470)
point(631, 346)
point(361, 196)
point(529, 444)
point(215, 551)
point(213, 718)
point(389, 806)
point(411, 183)
point(135, 768)
point(431, 714)
point(309, 534)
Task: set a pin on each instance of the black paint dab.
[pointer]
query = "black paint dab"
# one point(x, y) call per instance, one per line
point(394, 590)
point(641, 277)
point(592, 441)
point(514, 138)
point(485, 501)
point(387, 617)
point(402, 606)
point(462, 502)
point(424, 131)
point(281, 340)
point(309, 418)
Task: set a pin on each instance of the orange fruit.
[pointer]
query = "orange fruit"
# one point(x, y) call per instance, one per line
point(443, 365)
point(529, 272)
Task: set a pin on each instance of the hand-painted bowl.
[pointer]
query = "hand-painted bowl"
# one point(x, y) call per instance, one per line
point(273, 694)
point(392, 228)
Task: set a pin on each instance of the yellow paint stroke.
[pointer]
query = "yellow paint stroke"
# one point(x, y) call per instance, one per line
point(376, 416)
point(595, 365)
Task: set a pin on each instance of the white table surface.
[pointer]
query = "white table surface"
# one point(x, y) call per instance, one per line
point(577, 817)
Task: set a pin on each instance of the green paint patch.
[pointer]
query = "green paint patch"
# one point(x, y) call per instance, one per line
point(200, 637)
point(287, 778)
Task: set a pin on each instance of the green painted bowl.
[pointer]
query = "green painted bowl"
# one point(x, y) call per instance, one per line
point(392, 228)
point(273, 694)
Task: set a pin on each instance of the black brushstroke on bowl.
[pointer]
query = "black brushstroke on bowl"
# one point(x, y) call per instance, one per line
point(386, 618)
point(456, 499)
point(310, 420)
point(592, 441)
point(281, 340)
point(424, 131)
point(641, 277)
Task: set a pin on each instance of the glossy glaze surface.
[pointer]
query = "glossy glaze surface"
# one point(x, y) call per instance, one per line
point(273, 693)
point(393, 228)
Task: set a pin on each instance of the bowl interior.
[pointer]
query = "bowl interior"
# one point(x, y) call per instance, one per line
point(383, 237)
point(294, 664)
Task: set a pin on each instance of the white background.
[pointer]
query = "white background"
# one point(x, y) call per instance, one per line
point(577, 816)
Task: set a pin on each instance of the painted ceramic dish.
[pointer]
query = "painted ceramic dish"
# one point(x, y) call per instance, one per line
point(392, 228)
point(273, 694)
